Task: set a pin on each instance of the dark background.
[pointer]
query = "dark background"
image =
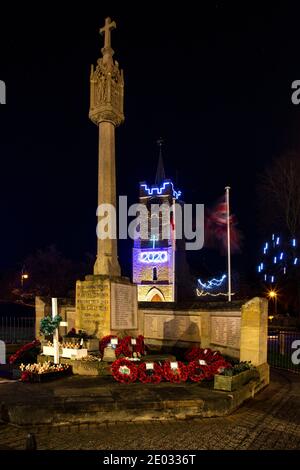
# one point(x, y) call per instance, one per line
point(212, 78)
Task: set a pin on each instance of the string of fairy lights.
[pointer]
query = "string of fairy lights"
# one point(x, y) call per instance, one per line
point(212, 288)
point(279, 257)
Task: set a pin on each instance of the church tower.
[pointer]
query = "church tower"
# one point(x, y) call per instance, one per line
point(154, 257)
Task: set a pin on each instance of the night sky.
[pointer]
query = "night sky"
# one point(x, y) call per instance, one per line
point(213, 81)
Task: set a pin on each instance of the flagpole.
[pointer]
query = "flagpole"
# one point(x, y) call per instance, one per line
point(228, 243)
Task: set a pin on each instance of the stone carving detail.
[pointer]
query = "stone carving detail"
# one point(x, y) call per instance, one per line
point(107, 89)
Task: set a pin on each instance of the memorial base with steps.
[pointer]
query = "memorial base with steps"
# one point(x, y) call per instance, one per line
point(100, 368)
point(76, 400)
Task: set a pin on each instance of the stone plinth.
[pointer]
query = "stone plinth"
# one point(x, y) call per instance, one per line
point(105, 304)
point(254, 331)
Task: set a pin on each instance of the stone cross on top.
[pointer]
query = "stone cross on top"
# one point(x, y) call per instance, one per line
point(106, 30)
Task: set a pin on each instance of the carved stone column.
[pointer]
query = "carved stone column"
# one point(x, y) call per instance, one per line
point(106, 111)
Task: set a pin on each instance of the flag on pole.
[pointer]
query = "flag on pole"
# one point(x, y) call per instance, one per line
point(216, 228)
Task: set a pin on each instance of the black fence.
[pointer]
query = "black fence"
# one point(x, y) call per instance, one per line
point(17, 329)
point(284, 350)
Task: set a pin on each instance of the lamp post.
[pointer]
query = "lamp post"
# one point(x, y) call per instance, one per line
point(24, 276)
point(273, 295)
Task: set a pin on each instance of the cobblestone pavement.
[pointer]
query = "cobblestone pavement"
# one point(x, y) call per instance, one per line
point(270, 421)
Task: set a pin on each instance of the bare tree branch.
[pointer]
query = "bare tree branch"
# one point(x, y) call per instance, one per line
point(279, 191)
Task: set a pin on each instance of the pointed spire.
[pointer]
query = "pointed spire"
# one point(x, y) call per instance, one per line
point(160, 172)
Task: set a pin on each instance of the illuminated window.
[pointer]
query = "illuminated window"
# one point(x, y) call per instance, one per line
point(154, 274)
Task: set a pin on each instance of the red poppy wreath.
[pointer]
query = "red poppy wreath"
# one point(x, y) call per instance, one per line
point(150, 374)
point(175, 372)
point(124, 371)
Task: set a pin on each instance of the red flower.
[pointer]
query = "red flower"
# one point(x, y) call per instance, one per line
point(126, 347)
point(20, 352)
point(198, 372)
point(175, 375)
point(140, 345)
point(124, 371)
point(105, 341)
point(193, 353)
point(26, 376)
point(150, 376)
point(207, 354)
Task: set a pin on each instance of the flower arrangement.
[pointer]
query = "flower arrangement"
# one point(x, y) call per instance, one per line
point(105, 342)
point(48, 324)
point(28, 351)
point(124, 371)
point(206, 360)
point(175, 372)
point(80, 335)
point(149, 375)
point(30, 371)
point(131, 347)
point(197, 371)
point(203, 364)
point(206, 354)
point(237, 368)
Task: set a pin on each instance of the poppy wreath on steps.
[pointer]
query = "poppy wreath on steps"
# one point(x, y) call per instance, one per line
point(127, 349)
point(198, 371)
point(140, 345)
point(206, 360)
point(105, 341)
point(217, 367)
point(150, 376)
point(207, 355)
point(124, 371)
point(175, 375)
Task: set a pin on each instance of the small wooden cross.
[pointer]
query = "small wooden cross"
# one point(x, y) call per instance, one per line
point(109, 25)
point(55, 334)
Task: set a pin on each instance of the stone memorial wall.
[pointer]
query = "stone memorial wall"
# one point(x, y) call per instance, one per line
point(165, 326)
point(237, 332)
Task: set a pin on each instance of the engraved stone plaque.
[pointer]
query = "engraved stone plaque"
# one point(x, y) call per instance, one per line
point(92, 306)
point(123, 306)
point(172, 327)
point(226, 331)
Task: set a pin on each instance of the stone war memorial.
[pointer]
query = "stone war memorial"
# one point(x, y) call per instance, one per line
point(143, 333)
point(106, 301)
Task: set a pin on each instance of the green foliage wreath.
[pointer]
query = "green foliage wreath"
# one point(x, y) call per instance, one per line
point(49, 325)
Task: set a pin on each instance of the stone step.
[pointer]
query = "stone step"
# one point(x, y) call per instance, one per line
point(76, 400)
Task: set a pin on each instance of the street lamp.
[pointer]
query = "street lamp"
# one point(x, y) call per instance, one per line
point(273, 295)
point(24, 276)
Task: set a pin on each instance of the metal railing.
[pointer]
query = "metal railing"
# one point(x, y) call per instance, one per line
point(284, 350)
point(17, 329)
